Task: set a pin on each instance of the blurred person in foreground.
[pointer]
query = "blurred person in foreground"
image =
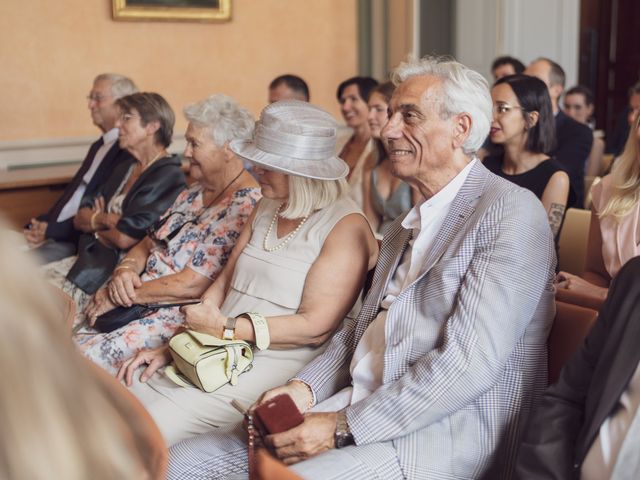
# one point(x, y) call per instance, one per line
point(58, 420)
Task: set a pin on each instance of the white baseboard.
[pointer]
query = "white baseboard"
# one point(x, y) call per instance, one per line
point(17, 154)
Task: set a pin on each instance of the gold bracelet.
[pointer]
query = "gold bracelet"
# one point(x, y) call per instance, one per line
point(310, 402)
point(93, 221)
point(123, 267)
point(127, 259)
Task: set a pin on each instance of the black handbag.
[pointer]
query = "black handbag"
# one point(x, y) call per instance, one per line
point(119, 317)
point(94, 265)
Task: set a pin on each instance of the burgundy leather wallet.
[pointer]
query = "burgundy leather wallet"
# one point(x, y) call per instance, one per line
point(277, 415)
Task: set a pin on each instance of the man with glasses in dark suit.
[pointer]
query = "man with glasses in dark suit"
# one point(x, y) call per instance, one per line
point(52, 234)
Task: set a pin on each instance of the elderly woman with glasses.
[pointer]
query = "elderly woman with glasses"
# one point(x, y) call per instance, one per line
point(524, 126)
point(139, 189)
point(187, 247)
point(298, 267)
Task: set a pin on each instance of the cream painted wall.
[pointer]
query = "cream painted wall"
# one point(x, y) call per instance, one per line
point(50, 50)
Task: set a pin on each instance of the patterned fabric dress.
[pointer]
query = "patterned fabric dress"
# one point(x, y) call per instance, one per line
point(188, 237)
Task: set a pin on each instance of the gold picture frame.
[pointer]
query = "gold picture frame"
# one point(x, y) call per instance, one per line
point(172, 10)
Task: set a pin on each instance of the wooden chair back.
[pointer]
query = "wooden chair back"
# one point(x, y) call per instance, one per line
point(572, 244)
point(571, 325)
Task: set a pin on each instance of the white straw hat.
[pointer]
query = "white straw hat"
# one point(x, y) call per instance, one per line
point(295, 138)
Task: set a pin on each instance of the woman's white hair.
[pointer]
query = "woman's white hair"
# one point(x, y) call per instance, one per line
point(464, 90)
point(226, 119)
point(307, 195)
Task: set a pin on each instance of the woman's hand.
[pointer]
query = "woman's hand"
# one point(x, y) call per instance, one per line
point(99, 304)
point(154, 359)
point(122, 287)
point(578, 284)
point(205, 317)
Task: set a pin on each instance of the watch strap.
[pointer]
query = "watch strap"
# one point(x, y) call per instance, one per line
point(229, 331)
point(260, 329)
point(343, 436)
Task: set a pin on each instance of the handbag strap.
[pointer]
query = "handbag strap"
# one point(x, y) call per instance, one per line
point(239, 359)
point(176, 377)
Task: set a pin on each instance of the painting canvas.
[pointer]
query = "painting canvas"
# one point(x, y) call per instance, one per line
point(182, 10)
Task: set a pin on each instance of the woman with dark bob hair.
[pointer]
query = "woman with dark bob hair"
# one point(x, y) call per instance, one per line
point(523, 124)
point(355, 149)
point(140, 190)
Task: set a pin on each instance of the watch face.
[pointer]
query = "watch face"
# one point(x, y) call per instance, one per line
point(227, 334)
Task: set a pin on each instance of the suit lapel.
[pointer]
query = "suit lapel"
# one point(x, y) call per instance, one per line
point(463, 205)
point(393, 247)
point(626, 355)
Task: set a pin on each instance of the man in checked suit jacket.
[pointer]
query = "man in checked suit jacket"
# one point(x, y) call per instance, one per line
point(437, 374)
point(561, 441)
point(56, 225)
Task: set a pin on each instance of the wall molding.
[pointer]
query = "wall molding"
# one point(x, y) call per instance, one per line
point(18, 154)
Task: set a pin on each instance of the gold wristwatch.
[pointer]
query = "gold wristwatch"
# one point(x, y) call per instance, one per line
point(229, 331)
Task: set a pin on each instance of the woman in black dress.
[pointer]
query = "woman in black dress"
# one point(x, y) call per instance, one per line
point(523, 125)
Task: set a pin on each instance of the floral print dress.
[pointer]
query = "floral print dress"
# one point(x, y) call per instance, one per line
point(188, 235)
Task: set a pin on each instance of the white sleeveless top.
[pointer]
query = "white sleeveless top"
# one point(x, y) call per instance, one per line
point(271, 283)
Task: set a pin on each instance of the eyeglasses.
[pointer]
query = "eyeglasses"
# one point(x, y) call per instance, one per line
point(96, 97)
point(125, 117)
point(502, 108)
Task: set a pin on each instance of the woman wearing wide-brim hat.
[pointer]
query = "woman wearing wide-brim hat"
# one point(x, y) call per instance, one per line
point(300, 263)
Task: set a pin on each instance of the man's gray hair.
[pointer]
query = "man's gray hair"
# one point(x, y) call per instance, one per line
point(121, 86)
point(464, 90)
point(226, 119)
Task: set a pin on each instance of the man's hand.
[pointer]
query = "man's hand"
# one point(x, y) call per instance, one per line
point(205, 317)
point(312, 437)
point(298, 391)
point(35, 234)
point(99, 304)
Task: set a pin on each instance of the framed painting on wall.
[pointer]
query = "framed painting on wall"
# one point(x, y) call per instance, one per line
point(171, 10)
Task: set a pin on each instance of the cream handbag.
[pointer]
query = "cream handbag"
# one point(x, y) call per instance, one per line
point(206, 361)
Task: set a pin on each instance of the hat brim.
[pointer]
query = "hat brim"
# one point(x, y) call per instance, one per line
point(332, 168)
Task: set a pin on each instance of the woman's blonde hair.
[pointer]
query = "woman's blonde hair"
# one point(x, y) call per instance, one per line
point(57, 421)
point(307, 195)
point(625, 178)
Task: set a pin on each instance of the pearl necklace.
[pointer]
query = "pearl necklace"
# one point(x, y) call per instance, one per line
point(287, 238)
